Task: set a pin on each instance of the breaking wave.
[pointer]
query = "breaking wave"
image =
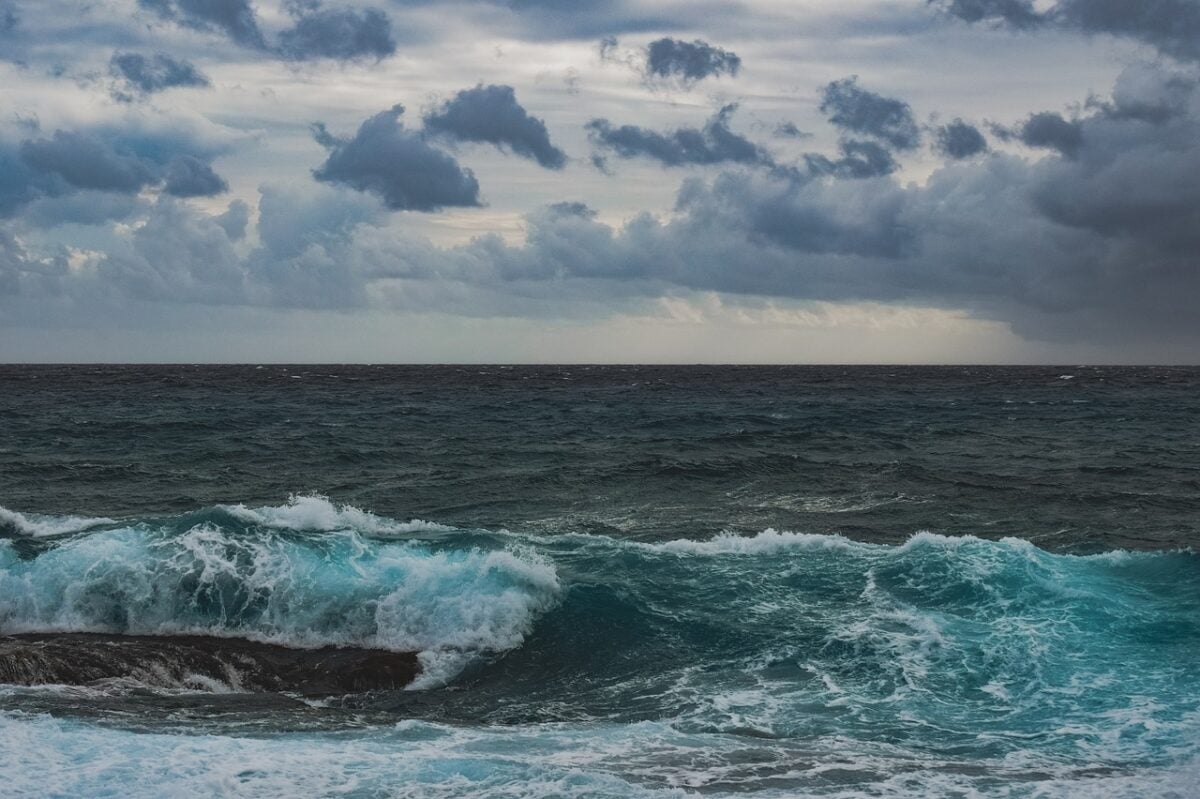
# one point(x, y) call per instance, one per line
point(803, 664)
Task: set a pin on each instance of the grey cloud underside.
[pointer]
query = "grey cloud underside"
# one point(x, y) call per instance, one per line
point(1171, 26)
point(959, 140)
point(342, 34)
point(398, 165)
point(317, 31)
point(139, 74)
point(1049, 129)
point(859, 159)
point(715, 143)
point(85, 162)
point(1017, 13)
point(121, 162)
point(235, 18)
point(856, 110)
point(492, 115)
point(689, 61)
point(188, 176)
point(1101, 245)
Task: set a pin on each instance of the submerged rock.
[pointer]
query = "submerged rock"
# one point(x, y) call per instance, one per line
point(200, 662)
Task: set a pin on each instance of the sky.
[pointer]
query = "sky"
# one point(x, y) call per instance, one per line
point(809, 181)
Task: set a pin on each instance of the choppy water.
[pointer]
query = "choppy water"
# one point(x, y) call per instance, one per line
point(620, 581)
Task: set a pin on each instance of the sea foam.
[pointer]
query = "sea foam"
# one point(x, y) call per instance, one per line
point(39, 526)
point(328, 589)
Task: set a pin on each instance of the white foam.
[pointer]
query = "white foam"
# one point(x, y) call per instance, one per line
point(341, 589)
point(38, 526)
point(41, 756)
point(767, 542)
point(315, 513)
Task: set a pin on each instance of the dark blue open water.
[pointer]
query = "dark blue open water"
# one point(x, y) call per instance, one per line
point(622, 581)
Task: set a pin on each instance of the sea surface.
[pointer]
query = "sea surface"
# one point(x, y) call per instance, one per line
point(611, 581)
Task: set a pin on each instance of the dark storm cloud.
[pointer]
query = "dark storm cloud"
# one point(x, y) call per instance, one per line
point(854, 109)
point(689, 61)
point(713, 144)
point(1171, 26)
point(1050, 130)
point(86, 162)
point(397, 165)
point(120, 161)
point(1099, 246)
point(20, 184)
point(959, 140)
point(860, 159)
point(188, 176)
point(1017, 13)
point(342, 34)
point(492, 115)
point(235, 18)
point(139, 74)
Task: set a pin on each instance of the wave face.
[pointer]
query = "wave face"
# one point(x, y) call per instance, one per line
point(225, 572)
point(782, 664)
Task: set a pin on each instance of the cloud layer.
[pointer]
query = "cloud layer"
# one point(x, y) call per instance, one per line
point(396, 164)
point(689, 61)
point(170, 158)
point(492, 115)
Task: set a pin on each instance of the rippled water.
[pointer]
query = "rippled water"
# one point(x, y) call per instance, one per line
point(620, 581)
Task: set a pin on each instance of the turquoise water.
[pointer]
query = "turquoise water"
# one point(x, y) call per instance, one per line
point(625, 581)
point(782, 663)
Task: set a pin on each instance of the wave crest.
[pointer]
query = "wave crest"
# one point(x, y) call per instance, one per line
point(30, 525)
point(315, 513)
point(336, 589)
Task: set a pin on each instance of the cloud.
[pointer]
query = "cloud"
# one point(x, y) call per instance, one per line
point(1049, 129)
point(492, 115)
point(959, 140)
point(235, 18)
point(22, 273)
point(80, 208)
point(235, 220)
point(715, 143)
point(342, 34)
point(854, 109)
point(689, 61)
point(293, 219)
point(87, 162)
point(1171, 26)
point(397, 165)
point(126, 159)
point(142, 75)
point(9, 18)
point(860, 159)
point(789, 130)
point(1096, 245)
point(188, 176)
point(1017, 13)
point(316, 32)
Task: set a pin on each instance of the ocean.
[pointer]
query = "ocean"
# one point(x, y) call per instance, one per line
point(605, 581)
